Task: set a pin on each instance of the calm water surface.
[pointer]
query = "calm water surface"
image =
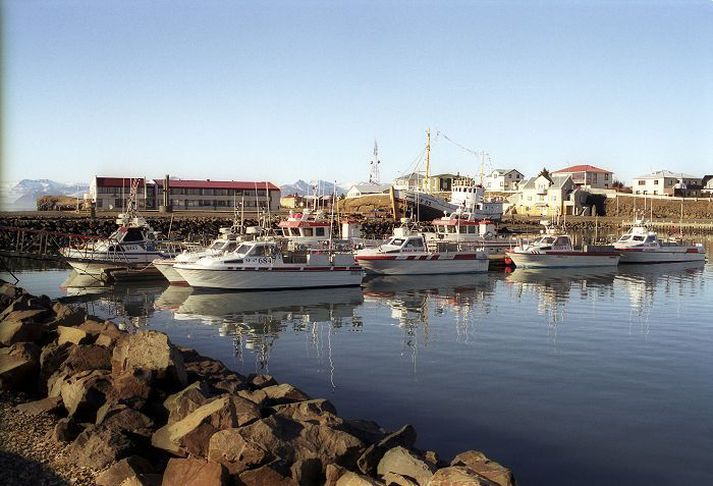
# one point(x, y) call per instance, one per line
point(568, 377)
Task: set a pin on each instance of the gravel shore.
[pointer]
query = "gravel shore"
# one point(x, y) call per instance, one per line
point(29, 453)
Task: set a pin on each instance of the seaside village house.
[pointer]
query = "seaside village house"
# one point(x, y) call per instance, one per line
point(409, 182)
point(503, 180)
point(367, 189)
point(707, 184)
point(442, 182)
point(588, 177)
point(667, 183)
point(110, 193)
point(550, 195)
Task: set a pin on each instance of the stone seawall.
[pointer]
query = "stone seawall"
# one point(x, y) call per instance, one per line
point(134, 409)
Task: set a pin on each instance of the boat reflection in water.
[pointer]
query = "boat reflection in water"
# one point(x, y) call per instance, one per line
point(254, 320)
point(130, 305)
point(642, 281)
point(415, 300)
point(554, 286)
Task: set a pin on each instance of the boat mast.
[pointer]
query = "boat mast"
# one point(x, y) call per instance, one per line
point(427, 181)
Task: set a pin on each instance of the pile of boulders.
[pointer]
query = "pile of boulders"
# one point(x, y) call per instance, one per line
point(146, 412)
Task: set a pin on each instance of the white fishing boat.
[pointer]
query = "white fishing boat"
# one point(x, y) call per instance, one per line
point(226, 242)
point(641, 245)
point(407, 253)
point(466, 228)
point(555, 250)
point(262, 265)
point(133, 245)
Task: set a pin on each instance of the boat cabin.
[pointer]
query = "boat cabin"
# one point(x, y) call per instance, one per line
point(463, 225)
point(553, 242)
point(638, 236)
point(401, 244)
point(306, 225)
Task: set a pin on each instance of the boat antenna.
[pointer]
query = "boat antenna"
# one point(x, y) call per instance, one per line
point(331, 219)
point(267, 200)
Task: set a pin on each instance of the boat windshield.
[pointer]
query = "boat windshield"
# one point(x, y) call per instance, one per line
point(217, 245)
point(547, 240)
point(395, 241)
point(243, 250)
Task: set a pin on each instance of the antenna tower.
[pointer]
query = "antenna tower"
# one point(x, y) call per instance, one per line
point(374, 166)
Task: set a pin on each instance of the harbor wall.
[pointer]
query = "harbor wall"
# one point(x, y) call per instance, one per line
point(132, 406)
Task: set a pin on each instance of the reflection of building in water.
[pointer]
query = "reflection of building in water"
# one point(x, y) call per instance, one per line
point(130, 305)
point(642, 282)
point(254, 320)
point(413, 299)
point(554, 288)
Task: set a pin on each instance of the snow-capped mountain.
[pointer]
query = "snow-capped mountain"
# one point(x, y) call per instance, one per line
point(303, 188)
point(24, 194)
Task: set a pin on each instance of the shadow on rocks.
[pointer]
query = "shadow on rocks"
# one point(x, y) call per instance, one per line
point(19, 471)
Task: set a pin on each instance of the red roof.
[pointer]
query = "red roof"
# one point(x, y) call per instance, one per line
point(117, 181)
point(583, 168)
point(208, 184)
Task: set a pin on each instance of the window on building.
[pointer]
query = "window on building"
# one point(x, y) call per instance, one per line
point(641, 182)
point(606, 177)
point(656, 182)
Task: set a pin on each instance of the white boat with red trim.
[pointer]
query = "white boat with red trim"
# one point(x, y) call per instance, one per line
point(465, 228)
point(641, 245)
point(555, 250)
point(306, 229)
point(407, 253)
point(262, 265)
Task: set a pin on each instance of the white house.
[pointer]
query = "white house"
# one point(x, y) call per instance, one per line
point(546, 196)
point(664, 183)
point(588, 176)
point(503, 180)
point(410, 182)
point(366, 189)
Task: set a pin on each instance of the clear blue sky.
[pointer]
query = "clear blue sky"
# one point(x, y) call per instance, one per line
point(288, 90)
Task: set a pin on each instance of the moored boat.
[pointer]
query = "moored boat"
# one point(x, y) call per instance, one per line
point(262, 265)
point(407, 253)
point(641, 245)
point(555, 250)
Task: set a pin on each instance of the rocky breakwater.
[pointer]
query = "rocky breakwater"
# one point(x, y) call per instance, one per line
point(134, 409)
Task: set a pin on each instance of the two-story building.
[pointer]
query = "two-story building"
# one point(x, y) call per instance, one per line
point(111, 193)
point(505, 180)
point(551, 195)
point(587, 176)
point(664, 183)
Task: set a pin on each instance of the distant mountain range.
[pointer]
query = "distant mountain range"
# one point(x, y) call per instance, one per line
point(24, 194)
point(303, 188)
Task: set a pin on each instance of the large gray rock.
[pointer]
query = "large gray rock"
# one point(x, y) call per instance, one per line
point(403, 462)
point(369, 460)
point(97, 447)
point(181, 404)
point(266, 475)
point(52, 358)
point(151, 351)
point(123, 418)
point(73, 335)
point(87, 358)
point(129, 467)
point(285, 393)
point(19, 367)
point(84, 392)
point(239, 451)
point(318, 411)
point(479, 462)
point(38, 407)
point(191, 435)
point(16, 331)
point(350, 478)
point(458, 475)
point(66, 315)
point(194, 472)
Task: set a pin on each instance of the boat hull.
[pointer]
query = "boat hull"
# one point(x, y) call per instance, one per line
point(165, 266)
point(402, 266)
point(661, 256)
point(563, 260)
point(270, 279)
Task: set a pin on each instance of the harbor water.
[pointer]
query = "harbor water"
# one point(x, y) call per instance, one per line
point(584, 377)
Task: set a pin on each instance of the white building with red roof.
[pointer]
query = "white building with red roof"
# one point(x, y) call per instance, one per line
point(588, 176)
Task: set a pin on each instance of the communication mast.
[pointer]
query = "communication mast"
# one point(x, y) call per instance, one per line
point(374, 166)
